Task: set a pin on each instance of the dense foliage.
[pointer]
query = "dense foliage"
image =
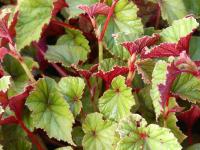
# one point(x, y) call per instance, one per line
point(99, 74)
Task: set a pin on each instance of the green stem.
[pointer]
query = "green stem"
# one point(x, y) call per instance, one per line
point(100, 44)
point(27, 71)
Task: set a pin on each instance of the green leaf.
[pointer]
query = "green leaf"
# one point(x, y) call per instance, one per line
point(107, 64)
point(145, 68)
point(136, 135)
point(170, 11)
point(194, 147)
point(50, 111)
point(187, 87)
point(77, 135)
point(64, 148)
point(124, 26)
point(130, 124)
point(158, 77)
point(193, 6)
point(73, 44)
point(72, 89)
point(117, 101)
point(17, 73)
point(33, 15)
point(73, 9)
point(4, 83)
point(14, 138)
point(99, 133)
point(195, 48)
point(179, 28)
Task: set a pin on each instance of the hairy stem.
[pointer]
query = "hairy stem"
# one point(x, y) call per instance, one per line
point(100, 44)
point(31, 135)
point(131, 73)
point(108, 19)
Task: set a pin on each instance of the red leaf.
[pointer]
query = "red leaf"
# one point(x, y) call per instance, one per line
point(137, 45)
point(95, 9)
point(165, 89)
point(86, 73)
point(58, 5)
point(16, 103)
point(3, 52)
point(9, 120)
point(110, 75)
point(189, 117)
point(184, 43)
point(4, 32)
point(185, 64)
point(162, 50)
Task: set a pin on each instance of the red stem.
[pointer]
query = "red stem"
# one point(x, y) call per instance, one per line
point(63, 24)
point(58, 68)
point(131, 74)
point(108, 19)
point(158, 17)
point(30, 135)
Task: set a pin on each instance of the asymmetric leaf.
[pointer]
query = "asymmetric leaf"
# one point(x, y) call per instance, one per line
point(179, 28)
point(117, 101)
point(111, 68)
point(72, 89)
point(123, 24)
point(29, 27)
point(187, 87)
point(73, 9)
point(99, 133)
point(50, 111)
point(170, 11)
point(140, 136)
point(95, 9)
point(73, 45)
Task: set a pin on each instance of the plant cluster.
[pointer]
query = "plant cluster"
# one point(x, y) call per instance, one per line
point(99, 74)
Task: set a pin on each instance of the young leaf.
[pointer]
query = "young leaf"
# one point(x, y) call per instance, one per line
point(50, 111)
point(4, 83)
point(111, 68)
point(170, 120)
point(139, 44)
point(179, 28)
point(29, 27)
point(162, 50)
point(74, 45)
point(117, 101)
point(136, 135)
point(169, 11)
point(72, 89)
point(99, 133)
point(187, 87)
point(95, 9)
point(124, 24)
point(194, 147)
point(73, 9)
